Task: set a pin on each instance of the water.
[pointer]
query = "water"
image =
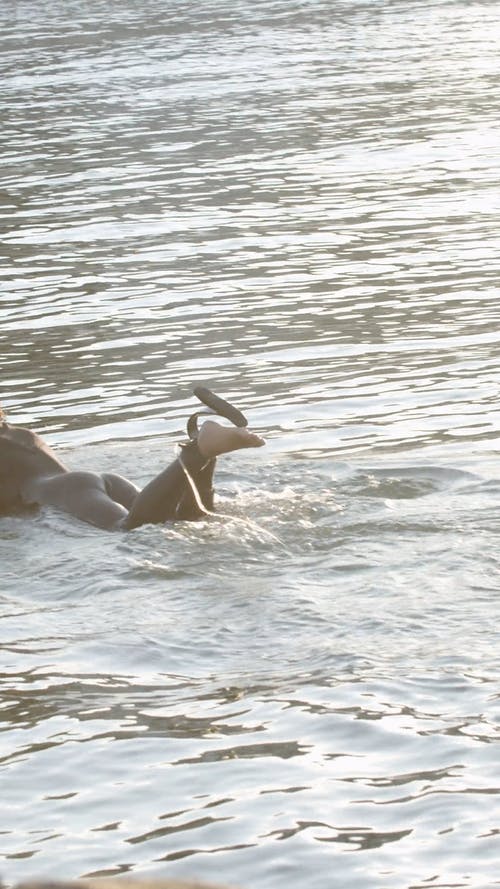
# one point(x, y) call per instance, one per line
point(295, 203)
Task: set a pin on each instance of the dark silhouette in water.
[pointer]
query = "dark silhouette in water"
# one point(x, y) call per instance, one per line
point(31, 474)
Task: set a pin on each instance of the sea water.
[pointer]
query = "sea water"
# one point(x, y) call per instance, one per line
point(296, 204)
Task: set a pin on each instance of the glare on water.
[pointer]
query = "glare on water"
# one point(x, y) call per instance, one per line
point(296, 204)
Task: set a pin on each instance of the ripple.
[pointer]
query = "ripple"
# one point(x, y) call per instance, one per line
point(297, 206)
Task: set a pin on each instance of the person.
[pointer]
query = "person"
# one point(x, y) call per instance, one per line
point(31, 474)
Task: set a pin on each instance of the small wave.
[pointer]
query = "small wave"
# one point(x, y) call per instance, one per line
point(408, 482)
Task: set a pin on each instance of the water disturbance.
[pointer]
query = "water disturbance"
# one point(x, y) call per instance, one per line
point(295, 204)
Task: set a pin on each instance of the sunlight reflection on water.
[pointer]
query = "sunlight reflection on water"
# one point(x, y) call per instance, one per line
point(296, 204)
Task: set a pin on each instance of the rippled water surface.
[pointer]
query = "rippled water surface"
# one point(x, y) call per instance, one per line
point(295, 203)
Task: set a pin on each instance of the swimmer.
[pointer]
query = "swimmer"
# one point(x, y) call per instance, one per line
point(32, 475)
